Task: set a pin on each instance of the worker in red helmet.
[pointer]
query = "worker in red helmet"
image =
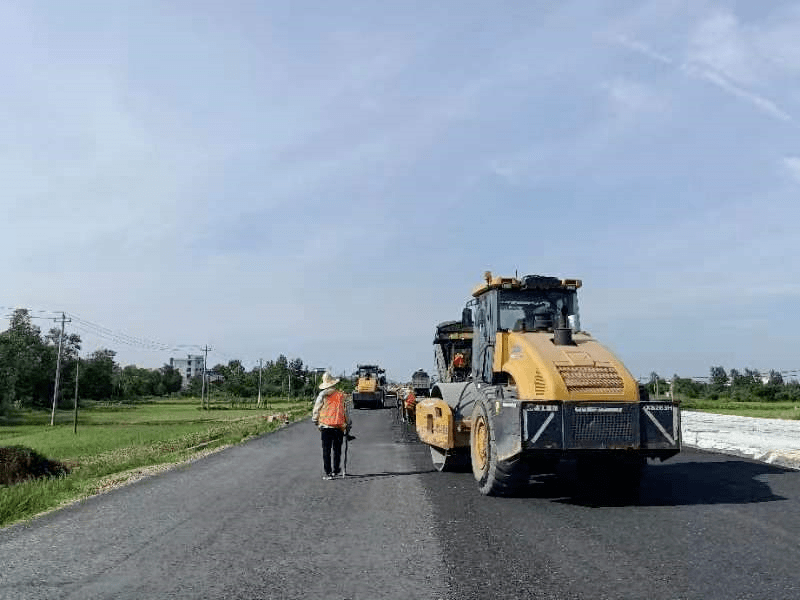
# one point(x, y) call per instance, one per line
point(332, 417)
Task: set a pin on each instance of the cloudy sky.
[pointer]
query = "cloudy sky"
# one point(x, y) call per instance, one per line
point(328, 180)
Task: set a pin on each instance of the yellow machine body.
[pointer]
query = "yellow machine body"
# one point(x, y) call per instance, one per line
point(367, 384)
point(541, 370)
point(434, 422)
point(539, 389)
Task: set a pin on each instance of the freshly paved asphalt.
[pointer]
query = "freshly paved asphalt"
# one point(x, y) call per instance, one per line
point(257, 521)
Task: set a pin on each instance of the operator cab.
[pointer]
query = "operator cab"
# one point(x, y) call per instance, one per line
point(536, 310)
point(533, 304)
point(371, 372)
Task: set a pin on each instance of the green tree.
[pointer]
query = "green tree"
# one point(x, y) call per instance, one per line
point(24, 363)
point(683, 386)
point(718, 382)
point(135, 382)
point(235, 380)
point(775, 377)
point(98, 375)
point(657, 383)
point(194, 386)
point(171, 379)
point(753, 377)
point(70, 345)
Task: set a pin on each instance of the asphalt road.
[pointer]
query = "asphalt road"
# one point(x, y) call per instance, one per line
point(257, 521)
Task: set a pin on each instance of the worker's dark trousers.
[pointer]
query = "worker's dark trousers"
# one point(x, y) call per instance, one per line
point(331, 441)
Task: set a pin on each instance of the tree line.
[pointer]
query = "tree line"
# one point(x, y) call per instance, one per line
point(28, 361)
point(282, 377)
point(28, 369)
point(746, 385)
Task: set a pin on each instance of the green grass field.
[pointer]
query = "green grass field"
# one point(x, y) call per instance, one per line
point(113, 440)
point(770, 410)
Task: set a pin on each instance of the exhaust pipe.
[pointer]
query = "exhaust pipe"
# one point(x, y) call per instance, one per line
point(562, 335)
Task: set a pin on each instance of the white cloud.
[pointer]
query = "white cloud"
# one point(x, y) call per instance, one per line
point(763, 104)
point(778, 43)
point(746, 60)
point(792, 165)
point(748, 53)
point(717, 56)
point(642, 48)
point(631, 97)
point(720, 43)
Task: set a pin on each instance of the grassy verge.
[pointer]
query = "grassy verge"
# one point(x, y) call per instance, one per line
point(770, 410)
point(116, 443)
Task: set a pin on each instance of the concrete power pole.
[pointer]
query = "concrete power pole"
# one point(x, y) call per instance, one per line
point(260, 367)
point(58, 366)
point(203, 384)
point(75, 421)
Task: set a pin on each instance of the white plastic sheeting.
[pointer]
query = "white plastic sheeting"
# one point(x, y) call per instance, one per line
point(774, 441)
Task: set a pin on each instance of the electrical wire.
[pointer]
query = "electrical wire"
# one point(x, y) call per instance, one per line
point(118, 337)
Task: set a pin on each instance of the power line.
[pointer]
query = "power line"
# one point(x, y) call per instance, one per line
point(106, 333)
point(124, 338)
point(54, 313)
point(118, 337)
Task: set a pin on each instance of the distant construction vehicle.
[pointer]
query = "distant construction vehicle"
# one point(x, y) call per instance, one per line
point(540, 390)
point(453, 351)
point(370, 390)
point(421, 383)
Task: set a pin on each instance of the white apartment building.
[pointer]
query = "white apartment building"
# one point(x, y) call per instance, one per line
point(188, 367)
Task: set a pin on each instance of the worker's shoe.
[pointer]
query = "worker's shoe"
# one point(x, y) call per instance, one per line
point(327, 477)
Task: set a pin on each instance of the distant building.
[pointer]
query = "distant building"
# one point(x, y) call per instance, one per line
point(188, 367)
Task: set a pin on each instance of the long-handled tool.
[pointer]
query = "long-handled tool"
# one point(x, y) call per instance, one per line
point(346, 444)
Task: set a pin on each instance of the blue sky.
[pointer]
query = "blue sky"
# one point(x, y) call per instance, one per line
point(330, 180)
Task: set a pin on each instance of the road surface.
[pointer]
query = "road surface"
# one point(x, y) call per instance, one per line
point(258, 521)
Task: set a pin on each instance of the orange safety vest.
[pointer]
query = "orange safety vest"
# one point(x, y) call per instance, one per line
point(411, 400)
point(458, 361)
point(332, 412)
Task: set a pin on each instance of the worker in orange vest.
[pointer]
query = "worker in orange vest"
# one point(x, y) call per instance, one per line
point(332, 416)
point(411, 400)
point(411, 405)
point(459, 361)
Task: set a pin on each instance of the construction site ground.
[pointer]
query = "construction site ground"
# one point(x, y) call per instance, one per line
point(258, 521)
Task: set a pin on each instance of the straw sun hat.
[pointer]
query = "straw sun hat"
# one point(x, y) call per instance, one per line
point(327, 381)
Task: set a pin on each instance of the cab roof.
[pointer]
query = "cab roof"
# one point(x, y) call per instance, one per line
point(527, 282)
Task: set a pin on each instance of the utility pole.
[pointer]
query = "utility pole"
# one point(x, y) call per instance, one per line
point(203, 383)
point(58, 366)
point(75, 421)
point(260, 367)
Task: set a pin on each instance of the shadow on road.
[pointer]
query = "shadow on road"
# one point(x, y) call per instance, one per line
point(388, 474)
point(678, 484)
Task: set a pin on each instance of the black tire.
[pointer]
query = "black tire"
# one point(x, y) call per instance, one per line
point(495, 477)
point(644, 394)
